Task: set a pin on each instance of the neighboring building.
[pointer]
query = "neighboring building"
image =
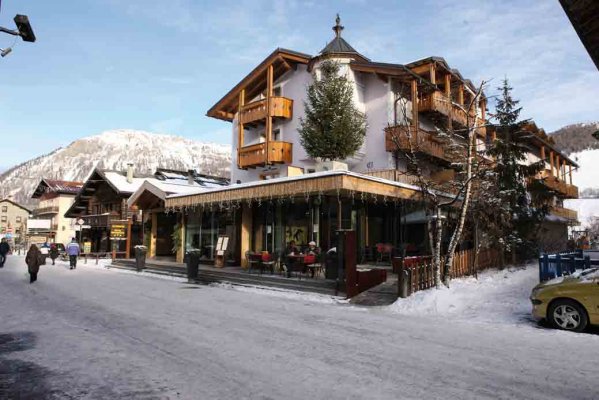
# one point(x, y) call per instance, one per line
point(13, 221)
point(102, 205)
point(160, 226)
point(55, 198)
point(556, 178)
point(279, 194)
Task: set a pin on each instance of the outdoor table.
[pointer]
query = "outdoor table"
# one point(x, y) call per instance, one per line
point(296, 262)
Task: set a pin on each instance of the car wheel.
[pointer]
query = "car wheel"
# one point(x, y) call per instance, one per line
point(568, 315)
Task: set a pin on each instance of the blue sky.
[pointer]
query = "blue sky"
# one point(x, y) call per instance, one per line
point(159, 65)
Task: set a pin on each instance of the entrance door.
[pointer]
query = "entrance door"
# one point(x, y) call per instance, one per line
point(164, 234)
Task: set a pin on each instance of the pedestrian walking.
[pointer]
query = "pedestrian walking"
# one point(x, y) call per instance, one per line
point(73, 251)
point(33, 259)
point(4, 250)
point(54, 253)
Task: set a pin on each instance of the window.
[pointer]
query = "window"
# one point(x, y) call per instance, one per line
point(4, 209)
point(18, 219)
point(3, 218)
point(276, 135)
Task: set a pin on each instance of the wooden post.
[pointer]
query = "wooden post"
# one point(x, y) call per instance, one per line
point(564, 170)
point(432, 73)
point(570, 167)
point(483, 110)
point(128, 242)
point(415, 122)
point(246, 233)
point(447, 85)
point(543, 153)
point(153, 233)
point(551, 161)
point(557, 166)
point(268, 128)
point(240, 126)
point(180, 256)
point(461, 94)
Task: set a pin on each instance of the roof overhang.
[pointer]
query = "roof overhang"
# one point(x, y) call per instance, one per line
point(148, 196)
point(584, 16)
point(322, 183)
point(254, 83)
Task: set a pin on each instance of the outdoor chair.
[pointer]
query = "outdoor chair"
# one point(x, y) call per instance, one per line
point(268, 262)
point(252, 263)
point(383, 251)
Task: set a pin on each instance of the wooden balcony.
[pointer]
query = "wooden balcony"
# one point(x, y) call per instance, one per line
point(257, 155)
point(566, 213)
point(562, 188)
point(45, 211)
point(437, 103)
point(280, 107)
point(396, 138)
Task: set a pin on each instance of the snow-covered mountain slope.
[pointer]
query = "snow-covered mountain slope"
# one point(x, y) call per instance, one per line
point(113, 150)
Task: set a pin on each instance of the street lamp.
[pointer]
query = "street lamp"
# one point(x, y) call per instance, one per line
point(23, 30)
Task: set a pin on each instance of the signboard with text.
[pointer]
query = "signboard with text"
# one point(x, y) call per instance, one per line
point(118, 230)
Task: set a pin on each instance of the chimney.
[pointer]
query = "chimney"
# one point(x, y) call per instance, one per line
point(129, 172)
point(191, 176)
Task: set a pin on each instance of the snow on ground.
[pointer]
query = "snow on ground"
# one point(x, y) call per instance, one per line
point(98, 333)
point(495, 297)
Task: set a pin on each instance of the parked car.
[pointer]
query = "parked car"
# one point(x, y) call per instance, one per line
point(570, 302)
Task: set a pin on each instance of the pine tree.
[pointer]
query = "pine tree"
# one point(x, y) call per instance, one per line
point(333, 128)
point(518, 211)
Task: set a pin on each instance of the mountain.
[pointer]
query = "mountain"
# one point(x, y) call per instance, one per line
point(113, 150)
point(576, 138)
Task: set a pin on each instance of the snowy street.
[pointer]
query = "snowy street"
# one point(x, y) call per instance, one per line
point(96, 333)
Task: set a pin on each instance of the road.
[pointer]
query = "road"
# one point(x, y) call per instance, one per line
point(93, 333)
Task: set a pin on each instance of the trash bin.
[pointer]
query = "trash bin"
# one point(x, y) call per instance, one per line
point(193, 262)
point(140, 257)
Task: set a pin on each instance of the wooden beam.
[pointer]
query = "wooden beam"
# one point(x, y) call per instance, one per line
point(415, 105)
point(240, 132)
point(564, 170)
point(268, 133)
point(570, 165)
point(557, 166)
point(551, 161)
point(432, 73)
point(447, 84)
point(461, 94)
point(543, 153)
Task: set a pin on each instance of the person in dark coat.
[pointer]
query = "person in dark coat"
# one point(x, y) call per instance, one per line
point(54, 253)
point(33, 259)
point(4, 250)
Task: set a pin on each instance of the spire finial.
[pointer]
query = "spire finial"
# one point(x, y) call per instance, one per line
point(338, 28)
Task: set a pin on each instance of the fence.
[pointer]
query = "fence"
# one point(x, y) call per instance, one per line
point(565, 263)
point(416, 273)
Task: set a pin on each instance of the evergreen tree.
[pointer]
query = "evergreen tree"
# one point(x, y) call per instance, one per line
point(333, 128)
point(518, 211)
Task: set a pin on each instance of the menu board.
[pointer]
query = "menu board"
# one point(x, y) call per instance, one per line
point(118, 231)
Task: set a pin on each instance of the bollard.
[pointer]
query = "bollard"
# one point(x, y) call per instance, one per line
point(558, 265)
point(403, 283)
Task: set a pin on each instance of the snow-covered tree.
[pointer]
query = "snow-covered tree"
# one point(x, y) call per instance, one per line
point(517, 200)
point(333, 129)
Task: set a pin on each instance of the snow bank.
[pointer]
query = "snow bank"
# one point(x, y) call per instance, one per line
point(496, 296)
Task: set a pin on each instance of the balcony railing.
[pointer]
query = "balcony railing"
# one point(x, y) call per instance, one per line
point(280, 107)
point(571, 215)
point(396, 138)
point(564, 189)
point(256, 155)
point(45, 210)
point(437, 102)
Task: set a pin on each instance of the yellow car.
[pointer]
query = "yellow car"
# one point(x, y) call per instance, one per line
point(570, 302)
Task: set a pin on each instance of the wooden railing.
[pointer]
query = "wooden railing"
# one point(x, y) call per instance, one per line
point(553, 183)
point(439, 103)
point(256, 155)
point(396, 138)
point(280, 107)
point(393, 175)
point(566, 213)
point(416, 273)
